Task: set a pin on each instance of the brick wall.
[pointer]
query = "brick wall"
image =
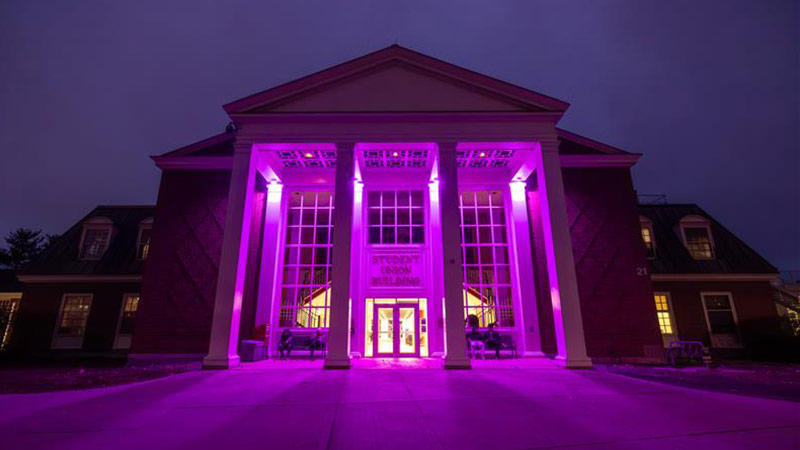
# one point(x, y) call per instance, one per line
point(756, 313)
point(180, 275)
point(616, 296)
point(40, 305)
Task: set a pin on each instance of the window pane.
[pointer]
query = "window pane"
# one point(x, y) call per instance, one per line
point(717, 302)
point(373, 199)
point(417, 235)
point(388, 198)
point(416, 199)
point(402, 198)
point(722, 322)
point(374, 235)
point(387, 235)
point(403, 235)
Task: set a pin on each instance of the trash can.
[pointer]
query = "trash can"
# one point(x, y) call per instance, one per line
point(251, 351)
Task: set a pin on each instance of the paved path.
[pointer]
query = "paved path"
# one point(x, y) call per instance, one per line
point(295, 405)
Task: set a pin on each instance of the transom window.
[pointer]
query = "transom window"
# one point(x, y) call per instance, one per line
point(663, 313)
point(487, 279)
point(95, 237)
point(74, 313)
point(129, 307)
point(396, 217)
point(305, 288)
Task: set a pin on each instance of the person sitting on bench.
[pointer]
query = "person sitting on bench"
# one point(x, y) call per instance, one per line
point(475, 342)
point(493, 340)
point(317, 343)
point(285, 344)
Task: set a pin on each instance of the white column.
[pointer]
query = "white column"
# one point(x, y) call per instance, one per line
point(271, 246)
point(222, 349)
point(560, 261)
point(339, 330)
point(455, 338)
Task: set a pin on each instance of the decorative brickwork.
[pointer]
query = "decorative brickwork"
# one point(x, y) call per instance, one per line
point(181, 272)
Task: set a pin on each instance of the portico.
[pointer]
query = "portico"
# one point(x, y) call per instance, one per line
point(385, 201)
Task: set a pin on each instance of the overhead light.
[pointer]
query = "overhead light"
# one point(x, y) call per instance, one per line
point(309, 155)
point(395, 154)
point(483, 154)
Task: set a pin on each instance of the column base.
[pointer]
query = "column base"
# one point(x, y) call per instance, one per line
point(571, 363)
point(220, 364)
point(457, 364)
point(336, 364)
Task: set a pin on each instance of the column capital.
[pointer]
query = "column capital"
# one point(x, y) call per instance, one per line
point(549, 145)
point(345, 146)
point(242, 147)
point(447, 146)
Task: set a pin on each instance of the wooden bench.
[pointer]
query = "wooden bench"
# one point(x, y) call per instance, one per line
point(302, 342)
point(507, 344)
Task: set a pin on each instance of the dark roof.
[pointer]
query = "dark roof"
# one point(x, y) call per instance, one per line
point(61, 258)
point(9, 282)
point(732, 255)
point(217, 145)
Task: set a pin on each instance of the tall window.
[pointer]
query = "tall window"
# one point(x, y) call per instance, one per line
point(648, 237)
point(95, 238)
point(129, 307)
point(663, 313)
point(721, 318)
point(143, 243)
point(305, 290)
point(8, 313)
point(697, 237)
point(396, 217)
point(74, 313)
point(487, 279)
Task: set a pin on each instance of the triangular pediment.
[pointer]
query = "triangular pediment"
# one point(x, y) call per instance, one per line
point(395, 80)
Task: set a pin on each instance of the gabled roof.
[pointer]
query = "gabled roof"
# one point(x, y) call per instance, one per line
point(61, 258)
point(392, 69)
point(732, 255)
point(575, 144)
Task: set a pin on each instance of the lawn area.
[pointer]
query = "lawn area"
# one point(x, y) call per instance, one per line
point(766, 380)
point(24, 378)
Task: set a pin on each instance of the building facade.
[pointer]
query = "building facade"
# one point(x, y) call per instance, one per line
point(385, 202)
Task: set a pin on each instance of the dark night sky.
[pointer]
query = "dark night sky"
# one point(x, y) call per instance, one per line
point(709, 91)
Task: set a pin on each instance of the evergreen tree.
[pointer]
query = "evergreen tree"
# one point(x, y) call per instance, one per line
point(22, 246)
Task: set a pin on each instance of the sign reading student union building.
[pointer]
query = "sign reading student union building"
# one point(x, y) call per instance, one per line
point(396, 270)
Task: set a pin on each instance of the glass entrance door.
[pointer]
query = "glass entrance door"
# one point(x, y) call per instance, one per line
point(396, 330)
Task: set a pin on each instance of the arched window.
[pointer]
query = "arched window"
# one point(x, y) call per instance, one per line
point(648, 237)
point(143, 241)
point(696, 235)
point(95, 238)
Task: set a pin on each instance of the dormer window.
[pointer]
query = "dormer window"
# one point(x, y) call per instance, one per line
point(95, 238)
point(143, 242)
point(648, 237)
point(696, 233)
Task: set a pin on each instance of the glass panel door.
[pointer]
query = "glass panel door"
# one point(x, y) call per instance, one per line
point(384, 331)
point(396, 330)
point(407, 330)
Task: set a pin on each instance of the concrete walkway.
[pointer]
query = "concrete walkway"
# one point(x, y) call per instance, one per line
point(295, 405)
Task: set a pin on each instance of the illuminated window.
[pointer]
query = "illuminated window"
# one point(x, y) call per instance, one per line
point(487, 274)
point(143, 242)
point(95, 238)
point(396, 217)
point(663, 313)
point(305, 288)
point(696, 232)
point(129, 308)
point(648, 236)
point(9, 304)
point(74, 313)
